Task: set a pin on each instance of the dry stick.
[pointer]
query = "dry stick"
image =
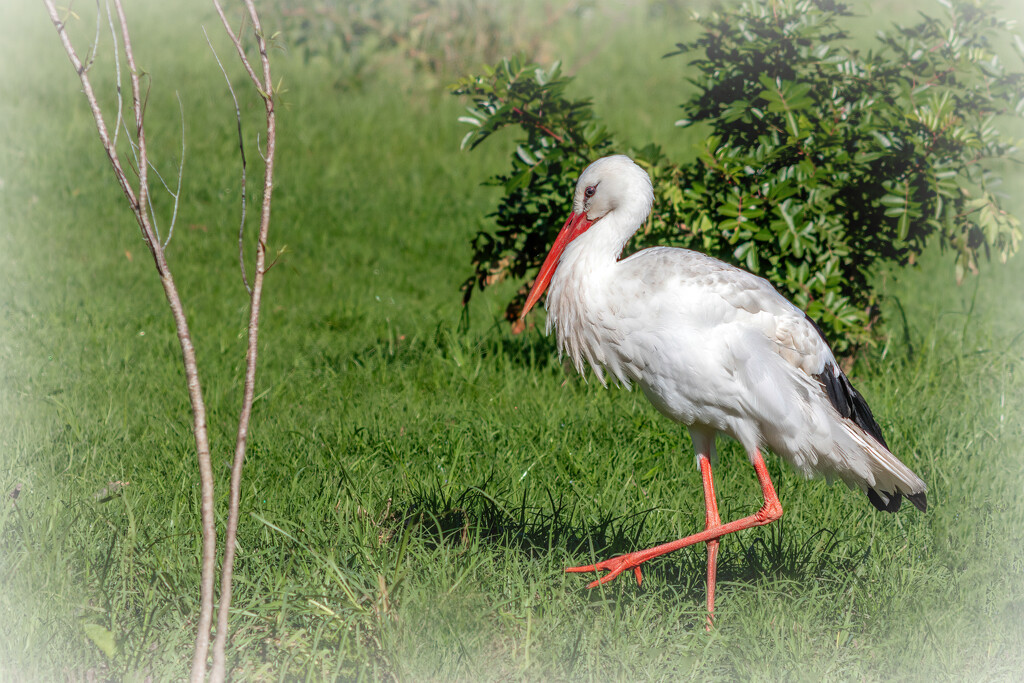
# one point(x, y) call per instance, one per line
point(265, 88)
point(139, 205)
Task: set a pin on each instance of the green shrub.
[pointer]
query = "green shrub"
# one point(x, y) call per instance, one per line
point(822, 161)
point(562, 137)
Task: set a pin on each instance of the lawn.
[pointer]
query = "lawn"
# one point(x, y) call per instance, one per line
point(413, 490)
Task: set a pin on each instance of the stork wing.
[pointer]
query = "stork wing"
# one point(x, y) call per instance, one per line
point(733, 295)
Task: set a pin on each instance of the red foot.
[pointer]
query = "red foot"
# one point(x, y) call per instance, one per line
point(713, 531)
point(614, 566)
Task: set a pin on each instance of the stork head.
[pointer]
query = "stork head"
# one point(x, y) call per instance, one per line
point(611, 186)
point(613, 183)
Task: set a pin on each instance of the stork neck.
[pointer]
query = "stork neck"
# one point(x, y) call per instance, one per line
point(602, 244)
point(585, 270)
point(582, 283)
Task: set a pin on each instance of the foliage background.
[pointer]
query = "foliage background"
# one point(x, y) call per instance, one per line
point(822, 159)
point(415, 491)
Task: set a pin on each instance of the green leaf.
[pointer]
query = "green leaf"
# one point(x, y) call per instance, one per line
point(102, 638)
point(525, 155)
point(519, 181)
point(903, 227)
point(893, 200)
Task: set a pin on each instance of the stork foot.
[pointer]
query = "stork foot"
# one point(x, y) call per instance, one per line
point(770, 511)
point(614, 566)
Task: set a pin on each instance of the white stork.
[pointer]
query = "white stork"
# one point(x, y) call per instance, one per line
point(713, 347)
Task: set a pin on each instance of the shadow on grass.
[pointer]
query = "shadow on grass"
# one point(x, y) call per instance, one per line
point(390, 346)
point(557, 528)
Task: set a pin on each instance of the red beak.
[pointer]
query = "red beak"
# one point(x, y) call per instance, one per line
point(575, 225)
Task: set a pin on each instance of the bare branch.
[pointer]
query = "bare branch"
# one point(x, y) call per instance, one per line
point(241, 151)
point(138, 200)
point(101, 125)
point(238, 45)
point(206, 470)
point(265, 89)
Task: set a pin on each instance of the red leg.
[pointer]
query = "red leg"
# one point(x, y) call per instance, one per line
point(769, 512)
point(711, 521)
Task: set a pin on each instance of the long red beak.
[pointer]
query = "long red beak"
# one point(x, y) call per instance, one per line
point(575, 225)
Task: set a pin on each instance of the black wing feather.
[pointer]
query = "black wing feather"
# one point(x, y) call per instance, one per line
point(850, 404)
point(895, 500)
point(844, 398)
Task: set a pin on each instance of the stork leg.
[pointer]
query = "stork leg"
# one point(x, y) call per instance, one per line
point(711, 521)
point(770, 511)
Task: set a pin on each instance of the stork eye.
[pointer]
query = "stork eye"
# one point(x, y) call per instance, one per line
point(589, 192)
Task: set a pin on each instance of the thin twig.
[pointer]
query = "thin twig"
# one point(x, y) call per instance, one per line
point(181, 169)
point(265, 89)
point(173, 193)
point(90, 56)
point(241, 151)
point(117, 75)
point(133, 164)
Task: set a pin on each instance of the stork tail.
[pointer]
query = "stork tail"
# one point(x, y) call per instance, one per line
point(893, 479)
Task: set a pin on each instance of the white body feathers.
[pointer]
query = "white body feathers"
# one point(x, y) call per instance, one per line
point(712, 346)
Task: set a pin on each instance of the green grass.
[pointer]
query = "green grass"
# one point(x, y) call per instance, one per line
point(412, 493)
